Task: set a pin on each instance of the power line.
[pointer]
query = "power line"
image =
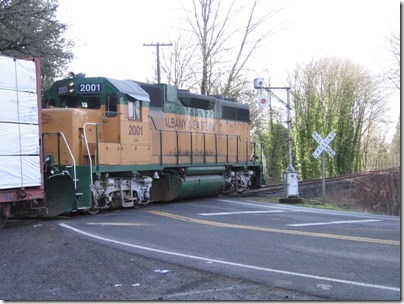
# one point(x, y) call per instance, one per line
point(157, 45)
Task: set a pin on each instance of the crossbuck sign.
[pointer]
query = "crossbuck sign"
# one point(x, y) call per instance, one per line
point(323, 144)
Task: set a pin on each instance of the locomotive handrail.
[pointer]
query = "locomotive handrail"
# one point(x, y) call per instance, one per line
point(88, 148)
point(254, 157)
point(68, 149)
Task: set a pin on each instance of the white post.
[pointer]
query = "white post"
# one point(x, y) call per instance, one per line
point(323, 177)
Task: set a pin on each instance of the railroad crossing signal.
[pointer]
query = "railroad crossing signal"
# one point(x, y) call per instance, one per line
point(263, 101)
point(323, 144)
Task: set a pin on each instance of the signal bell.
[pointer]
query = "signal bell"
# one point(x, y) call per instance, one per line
point(156, 175)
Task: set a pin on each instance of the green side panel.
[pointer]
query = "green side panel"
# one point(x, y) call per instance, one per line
point(169, 188)
point(60, 196)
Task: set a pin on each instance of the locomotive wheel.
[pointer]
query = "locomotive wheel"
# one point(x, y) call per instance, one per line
point(240, 186)
point(93, 210)
point(3, 216)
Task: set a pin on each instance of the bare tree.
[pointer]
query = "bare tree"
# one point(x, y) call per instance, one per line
point(226, 41)
point(209, 30)
point(177, 63)
point(394, 73)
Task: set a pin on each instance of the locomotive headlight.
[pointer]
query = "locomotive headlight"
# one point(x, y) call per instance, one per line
point(71, 87)
point(54, 170)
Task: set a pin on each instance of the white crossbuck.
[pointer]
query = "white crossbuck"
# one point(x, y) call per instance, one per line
point(323, 144)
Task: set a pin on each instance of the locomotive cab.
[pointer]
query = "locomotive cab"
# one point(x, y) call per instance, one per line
point(93, 113)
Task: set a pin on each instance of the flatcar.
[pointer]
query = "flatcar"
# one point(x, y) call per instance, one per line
point(22, 187)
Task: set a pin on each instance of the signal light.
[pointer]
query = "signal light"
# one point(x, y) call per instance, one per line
point(263, 101)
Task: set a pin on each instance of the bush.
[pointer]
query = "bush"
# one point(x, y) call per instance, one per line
point(379, 193)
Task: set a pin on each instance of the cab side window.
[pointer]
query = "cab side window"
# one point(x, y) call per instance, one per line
point(112, 103)
point(134, 109)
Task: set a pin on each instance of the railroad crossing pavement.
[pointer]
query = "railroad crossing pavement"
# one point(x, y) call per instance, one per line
point(355, 256)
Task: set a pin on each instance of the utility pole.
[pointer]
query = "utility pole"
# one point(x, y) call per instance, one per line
point(157, 45)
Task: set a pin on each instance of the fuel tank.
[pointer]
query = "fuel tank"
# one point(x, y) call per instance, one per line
point(170, 187)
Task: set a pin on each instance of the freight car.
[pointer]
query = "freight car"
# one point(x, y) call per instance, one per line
point(109, 143)
point(21, 161)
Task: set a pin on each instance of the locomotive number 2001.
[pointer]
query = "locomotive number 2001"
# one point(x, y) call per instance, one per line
point(135, 130)
point(90, 87)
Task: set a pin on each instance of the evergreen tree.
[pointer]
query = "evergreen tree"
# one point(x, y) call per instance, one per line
point(277, 152)
point(334, 95)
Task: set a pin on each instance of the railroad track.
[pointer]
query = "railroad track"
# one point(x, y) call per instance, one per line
point(278, 188)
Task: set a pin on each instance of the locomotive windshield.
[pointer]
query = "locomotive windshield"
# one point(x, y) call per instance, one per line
point(86, 102)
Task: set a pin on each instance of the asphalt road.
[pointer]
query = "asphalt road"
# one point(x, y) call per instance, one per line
point(207, 249)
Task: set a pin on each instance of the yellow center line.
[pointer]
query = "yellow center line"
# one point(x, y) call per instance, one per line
point(266, 229)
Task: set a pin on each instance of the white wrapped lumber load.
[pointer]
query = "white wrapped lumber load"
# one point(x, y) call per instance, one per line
point(19, 128)
point(19, 171)
point(18, 107)
point(19, 139)
point(17, 75)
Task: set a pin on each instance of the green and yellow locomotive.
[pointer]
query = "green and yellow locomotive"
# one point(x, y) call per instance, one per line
point(119, 143)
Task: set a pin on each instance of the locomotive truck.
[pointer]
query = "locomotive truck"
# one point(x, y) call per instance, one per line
point(110, 143)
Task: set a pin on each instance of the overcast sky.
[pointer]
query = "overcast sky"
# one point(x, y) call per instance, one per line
point(109, 35)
